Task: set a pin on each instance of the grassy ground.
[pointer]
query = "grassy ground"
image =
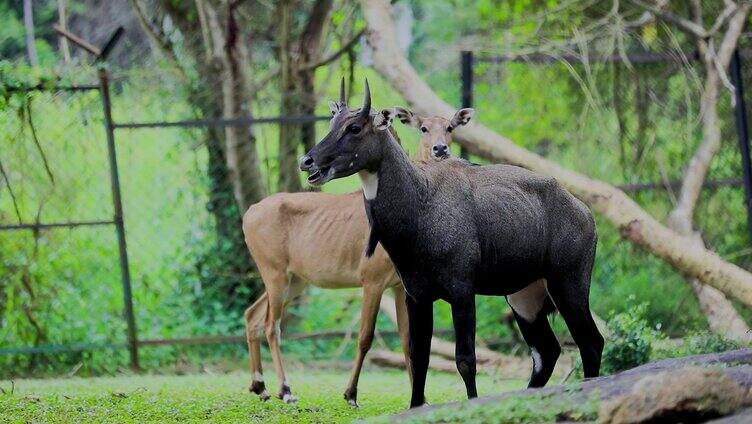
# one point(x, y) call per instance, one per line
point(221, 398)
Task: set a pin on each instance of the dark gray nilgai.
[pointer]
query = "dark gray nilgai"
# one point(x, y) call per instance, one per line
point(454, 230)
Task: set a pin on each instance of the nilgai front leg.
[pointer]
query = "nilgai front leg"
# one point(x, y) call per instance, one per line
point(369, 311)
point(278, 293)
point(463, 315)
point(420, 317)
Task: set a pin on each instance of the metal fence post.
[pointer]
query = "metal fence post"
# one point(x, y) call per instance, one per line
point(466, 70)
point(104, 88)
point(742, 132)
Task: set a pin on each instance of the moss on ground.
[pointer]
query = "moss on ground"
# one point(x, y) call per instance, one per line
point(529, 409)
point(221, 398)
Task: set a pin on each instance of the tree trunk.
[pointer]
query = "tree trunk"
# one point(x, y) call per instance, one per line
point(31, 48)
point(240, 142)
point(632, 221)
point(62, 20)
point(230, 192)
point(289, 134)
point(309, 48)
point(297, 86)
point(720, 313)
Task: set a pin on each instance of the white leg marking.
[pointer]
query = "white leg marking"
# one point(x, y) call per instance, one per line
point(370, 184)
point(537, 361)
point(257, 376)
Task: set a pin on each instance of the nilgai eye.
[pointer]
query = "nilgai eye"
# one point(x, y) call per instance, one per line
point(424, 129)
point(354, 129)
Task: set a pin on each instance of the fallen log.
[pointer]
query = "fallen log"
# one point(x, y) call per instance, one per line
point(387, 358)
point(513, 366)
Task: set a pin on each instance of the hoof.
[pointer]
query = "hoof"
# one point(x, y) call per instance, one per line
point(258, 387)
point(286, 395)
point(351, 396)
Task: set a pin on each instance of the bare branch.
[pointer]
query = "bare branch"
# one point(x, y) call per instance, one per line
point(332, 57)
point(264, 80)
point(36, 141)
point(684, 24)
point(158, 38)
point(734, 31)
point(723, 17)
point(12, 194)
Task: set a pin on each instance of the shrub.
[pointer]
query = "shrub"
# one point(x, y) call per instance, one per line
point(631, 340)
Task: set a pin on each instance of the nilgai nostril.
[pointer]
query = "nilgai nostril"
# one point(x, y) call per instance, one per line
point(305, 162)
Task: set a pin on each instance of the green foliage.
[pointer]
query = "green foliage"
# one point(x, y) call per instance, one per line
point(699, 343)
point(707, 342)
point(630, 343)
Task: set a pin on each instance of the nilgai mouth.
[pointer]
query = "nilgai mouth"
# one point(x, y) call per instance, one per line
point(441, 155)
point(320, 176)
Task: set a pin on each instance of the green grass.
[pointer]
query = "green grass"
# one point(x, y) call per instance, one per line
point(222, 398)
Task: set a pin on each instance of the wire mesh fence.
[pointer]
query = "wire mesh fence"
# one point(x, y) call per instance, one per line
point(59, 219)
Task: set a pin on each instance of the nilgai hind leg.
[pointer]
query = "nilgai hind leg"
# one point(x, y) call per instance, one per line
point(570, 295)
point(255, 324)
point(265, 317)
point(530, 307)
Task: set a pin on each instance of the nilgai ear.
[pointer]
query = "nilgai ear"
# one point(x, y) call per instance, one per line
point(333, 108)
point(407, 117)
point(462, 117)
point(383, 119)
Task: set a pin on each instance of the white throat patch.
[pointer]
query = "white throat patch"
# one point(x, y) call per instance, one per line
point(370, 184)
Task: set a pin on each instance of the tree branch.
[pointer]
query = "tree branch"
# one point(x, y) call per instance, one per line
point(159, 39)
point(734, 31)
point(12, 194)
point(332, 57)
point(684, 24)
point(36, 142)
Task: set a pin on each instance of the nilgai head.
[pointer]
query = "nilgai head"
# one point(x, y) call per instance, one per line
point(436, 132)
point(352, 144)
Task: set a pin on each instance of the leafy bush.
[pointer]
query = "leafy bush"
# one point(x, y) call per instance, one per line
point(631, 340)
point(699, 343)
point(707, 342)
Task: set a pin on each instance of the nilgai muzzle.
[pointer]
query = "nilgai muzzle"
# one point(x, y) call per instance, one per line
point(454, 230)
